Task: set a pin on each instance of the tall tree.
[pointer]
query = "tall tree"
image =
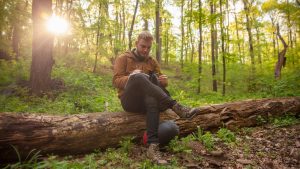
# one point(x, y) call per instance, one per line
point(237, 32)
point(191, 32)
point(247, 6)
point(223, 48)
point(16, 30)
point(97, 37)
point(182, 33)
point(200, 47)
point(281, 55)
point(213, 44)
point(132, 24)
point(157, 30)
point(42, 48)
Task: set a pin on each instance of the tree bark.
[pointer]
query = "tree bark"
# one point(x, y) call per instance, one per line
point(213, 46)
point(157, 30)
point(200, 48)
point(42, 48)
point(182, 33)
point(83, 133)
point(132, 24)
point(191, 32)
point(247, 6)
point(281, 56)
point(97, 38)
point(223, 49)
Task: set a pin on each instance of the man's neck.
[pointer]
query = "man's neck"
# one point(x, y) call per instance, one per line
point(137, 56)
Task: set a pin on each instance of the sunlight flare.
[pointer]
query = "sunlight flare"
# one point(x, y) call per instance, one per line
point(57, 25)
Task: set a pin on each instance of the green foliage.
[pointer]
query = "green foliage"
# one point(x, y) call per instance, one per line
point(181, 145)
point(207, 139)
point(285, 121)
point(113, 157)
point(261, 120)
point(30, 161)
point(126, 144)
point(226, 135)
point(83, 92)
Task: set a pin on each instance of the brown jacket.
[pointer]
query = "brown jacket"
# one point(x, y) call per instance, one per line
point(126, 63)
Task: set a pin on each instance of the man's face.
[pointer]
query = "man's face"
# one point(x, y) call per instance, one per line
point(143, 47)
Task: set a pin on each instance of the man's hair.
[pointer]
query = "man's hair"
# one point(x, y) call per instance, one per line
point(146, 35)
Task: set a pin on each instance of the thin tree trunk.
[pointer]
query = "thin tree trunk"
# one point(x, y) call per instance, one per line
point(281, 56)
point(237, 33)
point(223, 50)
point(191, 33)
point(83, 133)
point(258, 45)
point(273, 37)
point(146, 24)
point(124, 23)
point(97, 38)
point(132, 24)
point(69, 11)
point(227, 28)
point(157, 30)
point(200, 48)
point(42, 48)
point(167, 46)
point(251, 50)
point(213, 62)
point(182, 35)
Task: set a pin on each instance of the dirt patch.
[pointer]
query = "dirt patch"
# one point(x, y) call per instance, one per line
point(260, 147)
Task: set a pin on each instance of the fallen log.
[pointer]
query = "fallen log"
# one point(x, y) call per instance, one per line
point(83, 133)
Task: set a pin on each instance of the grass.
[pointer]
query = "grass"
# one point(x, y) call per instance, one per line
point(286, 120)
point(226, 135)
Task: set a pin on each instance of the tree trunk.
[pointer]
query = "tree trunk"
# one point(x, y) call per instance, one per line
point(157, 30)
point(83, 133)
point(213, 47)
point(132, 24)
point(273, 37)
point(247, 6)
point(97, 38)
point(281, 56)
point(200, 48)
point(237, 35)
point(182, 35)
point(258, 45)
point(223, 49)
point(16, 34)
point(191, 33)
point(42, 48)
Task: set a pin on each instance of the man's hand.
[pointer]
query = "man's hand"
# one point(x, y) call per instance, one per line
point(163, 80)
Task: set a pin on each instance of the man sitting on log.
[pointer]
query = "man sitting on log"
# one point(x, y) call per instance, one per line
point(141, 88)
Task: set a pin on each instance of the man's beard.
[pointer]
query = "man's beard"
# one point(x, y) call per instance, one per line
point(139, 56)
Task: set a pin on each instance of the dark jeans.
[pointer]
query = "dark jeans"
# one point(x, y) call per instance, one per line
point(142, 96)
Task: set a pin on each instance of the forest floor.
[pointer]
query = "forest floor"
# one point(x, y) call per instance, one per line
point(265, 147)
point(273, 145)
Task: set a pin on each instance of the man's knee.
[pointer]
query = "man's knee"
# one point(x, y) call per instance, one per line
point(139, 77)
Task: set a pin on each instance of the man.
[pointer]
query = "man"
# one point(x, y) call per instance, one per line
point(141, 88)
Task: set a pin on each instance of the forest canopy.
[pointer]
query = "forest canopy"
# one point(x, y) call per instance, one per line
point(221, 50)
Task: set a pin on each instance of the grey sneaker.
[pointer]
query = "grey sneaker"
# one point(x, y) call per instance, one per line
point(184, 112)
point(154, 154)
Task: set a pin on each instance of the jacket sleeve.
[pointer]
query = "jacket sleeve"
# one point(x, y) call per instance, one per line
point(120, 75)
point(156, 67)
